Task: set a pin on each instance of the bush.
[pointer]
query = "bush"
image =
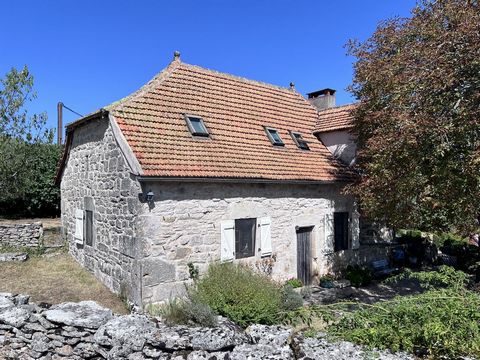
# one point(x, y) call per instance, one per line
point(294, 283)
point(358, 275)
point(436, 323)
point(443, 277)
point(184, 312)
point(240, 294)
point(291, 300)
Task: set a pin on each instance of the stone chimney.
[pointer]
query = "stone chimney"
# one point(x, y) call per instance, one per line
point(322, 99)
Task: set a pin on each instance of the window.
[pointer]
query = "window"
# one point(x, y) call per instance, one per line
point(196, 126)
point(89, 227)
point(299, 141)
point(245, 238)
point(274, 136)
point(340, 230)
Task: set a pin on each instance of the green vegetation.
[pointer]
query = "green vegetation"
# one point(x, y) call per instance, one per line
point(294, 283)
point(185, 312)
point(240, 294)
point(28, 158)
point(31, 251)
point(442, 322)
point(358, 275)
point(418, 133)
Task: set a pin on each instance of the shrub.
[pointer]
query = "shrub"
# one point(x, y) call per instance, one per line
point(240, 294)
point(291, 300)
point(358, 275)
point(437, 323)
point(294, 283)
point(184, 311)
point(443, 277)
point(326, 281)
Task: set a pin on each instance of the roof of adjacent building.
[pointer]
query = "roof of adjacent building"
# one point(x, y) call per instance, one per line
point(235, 111)
point(335, 118)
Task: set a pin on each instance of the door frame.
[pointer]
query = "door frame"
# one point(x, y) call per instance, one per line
point(305, 260)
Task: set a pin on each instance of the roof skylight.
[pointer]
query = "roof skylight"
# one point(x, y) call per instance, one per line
point(299, 140)
point(274, 136)
point(196, 126)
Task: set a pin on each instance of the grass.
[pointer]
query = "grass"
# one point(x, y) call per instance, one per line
point(56, 279)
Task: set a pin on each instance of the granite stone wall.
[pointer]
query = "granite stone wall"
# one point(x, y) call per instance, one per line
point(97, 178)
point(183, 225)
point(21, 235)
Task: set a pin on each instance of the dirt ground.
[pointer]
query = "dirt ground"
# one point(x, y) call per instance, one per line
point(54, 279)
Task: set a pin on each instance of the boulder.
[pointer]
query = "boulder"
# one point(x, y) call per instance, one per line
point(128, 331)
point(87, 314)
point(19, 257)
point(270, 335)
point(14, 316)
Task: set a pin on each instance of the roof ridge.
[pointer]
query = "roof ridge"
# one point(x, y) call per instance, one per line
point(244, 79)
point(153, 82)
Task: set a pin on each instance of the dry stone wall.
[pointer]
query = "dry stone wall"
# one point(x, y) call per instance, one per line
point(21, 235)
point(86, 330)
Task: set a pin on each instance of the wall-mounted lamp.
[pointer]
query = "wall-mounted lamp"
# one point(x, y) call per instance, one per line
point(149, 196)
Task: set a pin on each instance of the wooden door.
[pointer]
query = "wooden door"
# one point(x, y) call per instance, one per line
point(304, 255)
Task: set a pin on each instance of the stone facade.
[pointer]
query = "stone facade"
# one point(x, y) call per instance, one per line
point(21, 235)
point(183, 226)
point(97, 178)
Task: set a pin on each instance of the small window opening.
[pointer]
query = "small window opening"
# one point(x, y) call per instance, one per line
point(196, 125)
point(245, 238)
point(299, 140)
point(274, 136)
point(89, 227)
point(340, 228)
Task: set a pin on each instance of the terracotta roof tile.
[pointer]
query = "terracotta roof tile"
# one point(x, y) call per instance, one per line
point(336, 118)
point(235, 111)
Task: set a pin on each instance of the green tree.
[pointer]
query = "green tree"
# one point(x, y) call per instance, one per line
point(27, 155)
point(417, 80)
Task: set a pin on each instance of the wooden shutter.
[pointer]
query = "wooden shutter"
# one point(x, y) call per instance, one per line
point(228, 240)
point(265, 237)
point(329, 233)
point(78, 226)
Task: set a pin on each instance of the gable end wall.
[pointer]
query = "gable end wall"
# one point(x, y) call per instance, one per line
point(96, 177)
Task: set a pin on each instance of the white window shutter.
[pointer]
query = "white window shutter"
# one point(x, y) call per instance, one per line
point(78, 226)
point(329, 233)
point(265, 236)
point(228, 240)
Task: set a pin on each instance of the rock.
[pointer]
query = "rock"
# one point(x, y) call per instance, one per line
point(30, 328)
point(19, 257)
point(5, 302)
point(21, 299)
point(3, 340)
point(270, 335)
point(42, 321)
point(319, 348)
point(84, 350)
point(152, 352)
point(205, 355)
point(127, 330)
point(40, 343)
point(15, 317)
point(262, 352)
point(86, 314)
point(65, 350)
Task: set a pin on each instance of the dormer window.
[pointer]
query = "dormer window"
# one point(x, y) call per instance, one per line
point(196, 126)
point(299, 141)
point(274, 136)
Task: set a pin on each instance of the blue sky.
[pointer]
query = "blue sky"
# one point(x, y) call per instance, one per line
point(91, 53)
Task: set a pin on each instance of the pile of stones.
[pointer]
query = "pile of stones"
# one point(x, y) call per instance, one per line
point(85, 330)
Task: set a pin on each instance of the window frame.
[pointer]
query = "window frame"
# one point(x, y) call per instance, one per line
point(299, 141)
point(253, 237)
point(191, 128)
point(270, 137)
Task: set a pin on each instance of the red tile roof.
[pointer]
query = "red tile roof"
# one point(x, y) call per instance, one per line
point(235, 111)
point(336, 118)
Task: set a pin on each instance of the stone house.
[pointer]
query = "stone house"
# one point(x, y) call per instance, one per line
point(200, 166)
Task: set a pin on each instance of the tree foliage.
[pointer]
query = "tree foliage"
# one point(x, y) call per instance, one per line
point(27, 156)
point(418, 119)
